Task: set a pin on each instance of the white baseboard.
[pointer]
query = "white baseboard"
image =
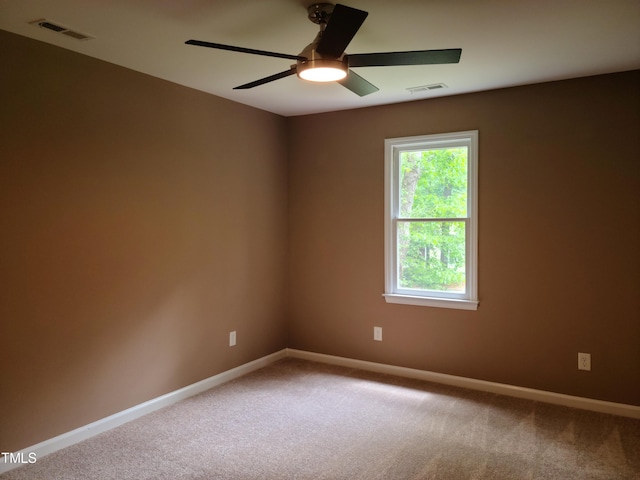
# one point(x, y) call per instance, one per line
point(88, 431)
point(117, 419)
point(601, 406)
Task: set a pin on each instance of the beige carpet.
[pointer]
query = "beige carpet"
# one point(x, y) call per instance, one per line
point(303, 420)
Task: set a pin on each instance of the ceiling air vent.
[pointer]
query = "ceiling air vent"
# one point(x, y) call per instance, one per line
point(426, 88)
point(42, 23)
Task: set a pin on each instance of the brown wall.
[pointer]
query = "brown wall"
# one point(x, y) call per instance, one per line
point(141, 222)
point(559, 237)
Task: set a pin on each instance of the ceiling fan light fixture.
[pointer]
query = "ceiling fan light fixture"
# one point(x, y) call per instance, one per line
point(322, 70)
point(325, 58)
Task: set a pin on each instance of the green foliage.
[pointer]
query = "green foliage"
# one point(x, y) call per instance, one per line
point(433, 186)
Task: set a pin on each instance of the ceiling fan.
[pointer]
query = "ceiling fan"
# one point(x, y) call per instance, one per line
point(325, 60)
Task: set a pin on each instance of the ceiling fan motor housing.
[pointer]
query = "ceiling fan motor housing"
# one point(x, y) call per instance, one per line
point(315, 60)
point(333, 68)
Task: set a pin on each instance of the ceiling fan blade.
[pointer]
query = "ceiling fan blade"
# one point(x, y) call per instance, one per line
point(417, 57)
point(243, 50)
point(344, 23)
point(271, 78)
point(357, 84)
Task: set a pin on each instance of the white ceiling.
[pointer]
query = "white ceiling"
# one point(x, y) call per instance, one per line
point(504, 43)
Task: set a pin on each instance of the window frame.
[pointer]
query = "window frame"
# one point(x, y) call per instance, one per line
point(431, 298)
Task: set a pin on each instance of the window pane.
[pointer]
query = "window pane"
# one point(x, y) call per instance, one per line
point(433, 183)
point(431, 255)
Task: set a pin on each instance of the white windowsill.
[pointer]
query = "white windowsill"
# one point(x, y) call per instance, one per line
point(431, 301)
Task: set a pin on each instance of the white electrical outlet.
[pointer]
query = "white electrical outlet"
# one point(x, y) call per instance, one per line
point(584, 361)
point(232, 338)
point(377, 334)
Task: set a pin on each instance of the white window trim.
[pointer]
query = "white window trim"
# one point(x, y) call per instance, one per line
point(393, 294)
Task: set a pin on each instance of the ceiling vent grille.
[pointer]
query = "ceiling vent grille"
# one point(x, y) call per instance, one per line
point(426, 88)
point(42, 23)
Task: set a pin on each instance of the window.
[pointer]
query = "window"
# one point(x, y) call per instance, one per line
point(431, 227)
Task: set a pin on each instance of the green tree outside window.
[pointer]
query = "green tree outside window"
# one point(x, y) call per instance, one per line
point(431, 241)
